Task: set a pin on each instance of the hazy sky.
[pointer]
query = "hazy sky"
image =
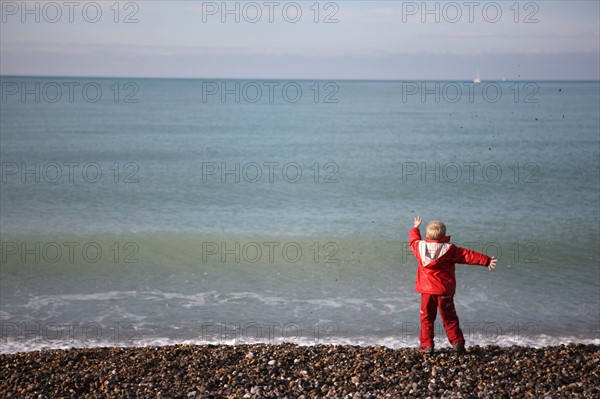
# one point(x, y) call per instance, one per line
point(287, 40)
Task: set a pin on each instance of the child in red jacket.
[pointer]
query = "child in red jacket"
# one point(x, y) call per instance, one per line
point(436, 280)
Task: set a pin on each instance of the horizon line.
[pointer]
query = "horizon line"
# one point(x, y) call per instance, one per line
point(301, 79)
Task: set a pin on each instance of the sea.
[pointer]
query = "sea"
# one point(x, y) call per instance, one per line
point(139, 211)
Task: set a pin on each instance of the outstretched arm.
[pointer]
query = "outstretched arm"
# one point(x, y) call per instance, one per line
point(468, 257)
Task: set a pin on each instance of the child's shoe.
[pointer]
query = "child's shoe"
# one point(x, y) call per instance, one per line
point(459, 347)
point(426, 350)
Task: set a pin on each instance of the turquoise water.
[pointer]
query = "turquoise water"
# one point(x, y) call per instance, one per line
point(162, 211)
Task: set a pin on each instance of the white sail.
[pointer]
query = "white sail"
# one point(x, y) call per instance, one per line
point(477, 78)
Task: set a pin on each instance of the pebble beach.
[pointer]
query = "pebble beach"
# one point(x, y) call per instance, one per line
point(292, 371)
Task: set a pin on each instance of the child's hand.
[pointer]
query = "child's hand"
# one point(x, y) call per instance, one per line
point(492, 264)
point(417, 221)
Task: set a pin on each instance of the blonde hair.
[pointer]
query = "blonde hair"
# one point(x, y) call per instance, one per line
point(435, 230)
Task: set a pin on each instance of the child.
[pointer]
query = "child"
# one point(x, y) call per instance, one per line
point(436, 280)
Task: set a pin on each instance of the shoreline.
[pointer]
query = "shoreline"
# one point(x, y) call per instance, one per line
point(266, 370)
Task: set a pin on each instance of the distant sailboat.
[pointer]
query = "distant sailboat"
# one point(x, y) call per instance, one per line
point(477, 78)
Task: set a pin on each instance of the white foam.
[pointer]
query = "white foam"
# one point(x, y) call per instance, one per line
point(540, 341)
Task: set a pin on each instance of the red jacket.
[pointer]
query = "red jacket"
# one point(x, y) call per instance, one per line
point(437, 258)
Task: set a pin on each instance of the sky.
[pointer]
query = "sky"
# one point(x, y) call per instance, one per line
point(525, 40)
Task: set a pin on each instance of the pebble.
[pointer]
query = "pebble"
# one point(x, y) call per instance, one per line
point(288, 370)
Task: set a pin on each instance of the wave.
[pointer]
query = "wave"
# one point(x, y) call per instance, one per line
point(365, 341)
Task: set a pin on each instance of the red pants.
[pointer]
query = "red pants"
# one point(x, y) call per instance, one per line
point(429, 306)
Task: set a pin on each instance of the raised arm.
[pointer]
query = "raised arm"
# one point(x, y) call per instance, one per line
point(417, 221)
point(415, 235)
